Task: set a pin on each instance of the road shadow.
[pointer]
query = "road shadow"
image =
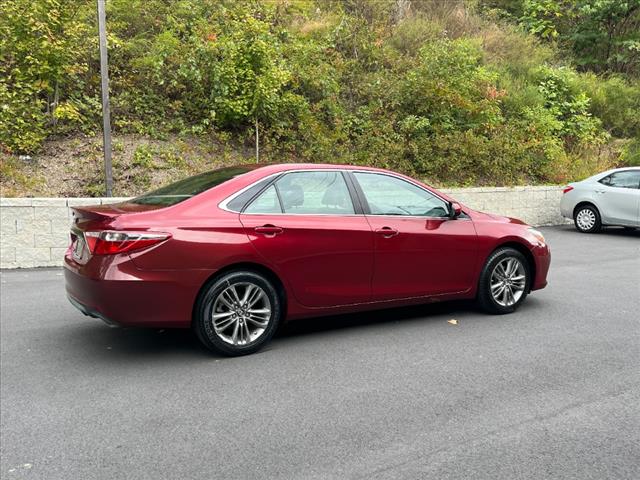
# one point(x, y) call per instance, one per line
point(120, 344)
point(620, 232)
point(95, 338)
point(606, 231)
point(309, 326)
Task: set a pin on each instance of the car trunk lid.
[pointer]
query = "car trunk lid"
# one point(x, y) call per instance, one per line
point(96, 218)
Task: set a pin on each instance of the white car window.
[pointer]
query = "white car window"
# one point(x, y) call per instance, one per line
point(623, 179)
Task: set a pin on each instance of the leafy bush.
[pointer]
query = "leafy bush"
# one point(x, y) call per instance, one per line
point(631, 153)
point(432, 88)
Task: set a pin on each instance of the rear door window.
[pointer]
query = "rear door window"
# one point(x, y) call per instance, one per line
point(624, 179)
point(267, 202)
point(305, 193)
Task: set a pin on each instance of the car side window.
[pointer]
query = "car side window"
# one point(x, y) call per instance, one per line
point(624, 179)
point(309, 193)
point(266, 202)
point(387, 195)
point(318, 192)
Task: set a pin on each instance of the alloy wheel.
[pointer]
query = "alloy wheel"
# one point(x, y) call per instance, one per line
point(241, 313)
point(508, 281)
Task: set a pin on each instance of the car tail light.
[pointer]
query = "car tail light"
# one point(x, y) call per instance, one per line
point(110, 242)
point(567, 189)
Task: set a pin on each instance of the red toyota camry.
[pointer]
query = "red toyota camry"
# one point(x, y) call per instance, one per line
point(234, 252)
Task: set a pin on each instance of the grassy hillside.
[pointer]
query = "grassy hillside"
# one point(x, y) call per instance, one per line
point(73, 166)
point(460, 92)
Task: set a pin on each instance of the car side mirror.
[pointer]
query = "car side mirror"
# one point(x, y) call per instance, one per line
point(454, 209)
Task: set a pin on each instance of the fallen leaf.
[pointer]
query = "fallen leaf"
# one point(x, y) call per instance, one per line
point(453, 321)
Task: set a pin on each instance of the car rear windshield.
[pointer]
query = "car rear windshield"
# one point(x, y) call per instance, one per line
point(189, 187)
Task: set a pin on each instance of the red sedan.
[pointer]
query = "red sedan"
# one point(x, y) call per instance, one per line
point(234, 252)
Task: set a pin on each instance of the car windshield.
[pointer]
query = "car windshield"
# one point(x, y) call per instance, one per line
point(189, 187)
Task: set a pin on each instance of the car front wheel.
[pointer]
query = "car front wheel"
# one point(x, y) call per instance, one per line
point(237, 313)
point(504, 281)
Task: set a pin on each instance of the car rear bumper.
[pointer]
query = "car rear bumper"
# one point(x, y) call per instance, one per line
point(113, 289)
point(567, 204)
point(89, 312)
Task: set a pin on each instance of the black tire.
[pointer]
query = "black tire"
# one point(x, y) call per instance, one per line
point(590, 212)
point(485, 298)
point(212, 338)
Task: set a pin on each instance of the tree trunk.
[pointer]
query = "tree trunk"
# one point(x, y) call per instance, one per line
point(56, 99)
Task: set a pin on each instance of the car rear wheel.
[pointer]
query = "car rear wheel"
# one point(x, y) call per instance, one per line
point(587, 219)
point(237, 313)
point(504, 282)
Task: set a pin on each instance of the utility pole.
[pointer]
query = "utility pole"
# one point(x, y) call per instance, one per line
point(106, 111)
point(257, 141)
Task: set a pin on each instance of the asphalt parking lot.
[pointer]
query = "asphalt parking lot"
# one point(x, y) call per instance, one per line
point(552, 391)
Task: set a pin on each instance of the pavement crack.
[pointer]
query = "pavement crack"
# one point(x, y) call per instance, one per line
point(534, 419)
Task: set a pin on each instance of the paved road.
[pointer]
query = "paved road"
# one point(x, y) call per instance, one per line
point(552, 391)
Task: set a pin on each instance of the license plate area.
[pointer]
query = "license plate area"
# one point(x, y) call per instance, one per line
point(79, 247)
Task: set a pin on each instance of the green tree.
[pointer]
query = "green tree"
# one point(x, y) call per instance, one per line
point(603, 35)
point(38, 49)
point(247, 75)
point(606, 35)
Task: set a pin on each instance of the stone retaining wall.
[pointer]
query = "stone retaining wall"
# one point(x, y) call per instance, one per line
point(535, 205)
point(34, 232)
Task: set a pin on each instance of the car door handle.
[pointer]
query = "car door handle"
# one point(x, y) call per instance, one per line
point(268, 230)
point(387, 232)
point(600, 191)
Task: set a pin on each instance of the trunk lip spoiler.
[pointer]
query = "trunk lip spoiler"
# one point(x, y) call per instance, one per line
point(92, 213)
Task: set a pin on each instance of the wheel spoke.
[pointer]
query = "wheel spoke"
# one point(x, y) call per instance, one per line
point(506, 266)
point(247, 293)
point(224, 324)
point(257, 295)
point(235, 293)
point(512, 298)
point(501, 271)
point(258, 322)
point(241, 332)
point(217, 316)
point(234, 335)
point(226, 299)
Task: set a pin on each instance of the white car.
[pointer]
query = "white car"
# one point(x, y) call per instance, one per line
point(610, 198)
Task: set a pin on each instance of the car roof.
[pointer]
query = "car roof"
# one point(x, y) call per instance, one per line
point(283, 167)
point(619, 169)
point(600, 175)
